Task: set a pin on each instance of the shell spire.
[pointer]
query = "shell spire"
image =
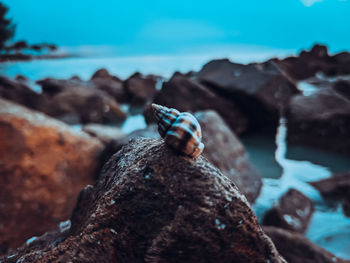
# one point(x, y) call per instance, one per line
point(165, 117)
point(159, 111)
point(181, 131)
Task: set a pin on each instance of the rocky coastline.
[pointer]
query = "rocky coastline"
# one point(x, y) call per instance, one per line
point(99, 194)
point(22, 51)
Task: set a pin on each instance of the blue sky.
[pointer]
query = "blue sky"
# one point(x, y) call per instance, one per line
point(158, 26)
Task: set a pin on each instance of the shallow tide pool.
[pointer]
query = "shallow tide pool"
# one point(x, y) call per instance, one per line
point(328, 228)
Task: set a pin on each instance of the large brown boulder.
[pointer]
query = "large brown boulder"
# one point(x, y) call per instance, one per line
point(152, 205)
point(19, 92)
point(260, 91)
point(224, 150)
point(321, 120)
point(293, 212)
point(184, 94)
point(336, 188)
point(296, 248)
point(44, 164)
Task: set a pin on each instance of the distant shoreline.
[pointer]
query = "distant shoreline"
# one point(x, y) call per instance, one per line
point(23, 57)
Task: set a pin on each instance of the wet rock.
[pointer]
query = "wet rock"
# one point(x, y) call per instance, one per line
point(85, 101)
point(104, 133)
point(346, 206)
point(140, 89)
point(44, 164)
point(92, 106)
point(52, 87)
point(260, 91)
point(76, 78)
point(224, 150)
point(340, 84)
point(317, 60)
point(101, 74)
point(19, 92)
point(151, 205)
point(101, 80)
point(295, 248)
point(343, 87)
point(184, 94)
point(343, 59)
point(336, 188)
point(110, 84)
point(293, 212)
point(321, 120)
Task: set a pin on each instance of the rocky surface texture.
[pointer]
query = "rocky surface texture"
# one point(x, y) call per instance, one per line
point(336, 188)
point(184, 94)
point(224, 150)
point(260, 91)
point(151, 205)
point(295, 248)
point(293, 212)
point(44, 165)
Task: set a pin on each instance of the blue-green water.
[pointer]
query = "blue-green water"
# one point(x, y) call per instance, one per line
point(328, 228)
point(87, 60)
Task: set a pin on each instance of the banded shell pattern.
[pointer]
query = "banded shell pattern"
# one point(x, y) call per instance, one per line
point(180, 130)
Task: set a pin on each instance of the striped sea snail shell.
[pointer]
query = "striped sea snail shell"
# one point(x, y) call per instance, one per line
point(180, 130)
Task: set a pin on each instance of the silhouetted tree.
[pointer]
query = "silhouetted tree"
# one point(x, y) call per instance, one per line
point(7, 29)
point(18, 46)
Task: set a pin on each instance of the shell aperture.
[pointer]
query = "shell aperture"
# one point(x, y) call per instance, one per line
point(181, 131)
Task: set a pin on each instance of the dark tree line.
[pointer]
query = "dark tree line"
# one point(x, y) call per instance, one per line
point(7, 29)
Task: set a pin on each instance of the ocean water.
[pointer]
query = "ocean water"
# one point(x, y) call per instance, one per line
point(328, 228)
point(86, 60)
point(282, 166)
